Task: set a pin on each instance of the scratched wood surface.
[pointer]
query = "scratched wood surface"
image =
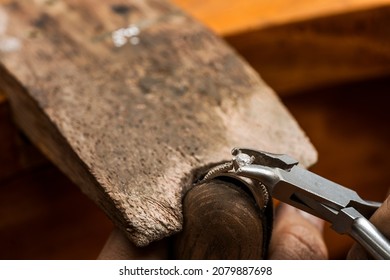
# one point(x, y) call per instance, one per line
point(129, 114)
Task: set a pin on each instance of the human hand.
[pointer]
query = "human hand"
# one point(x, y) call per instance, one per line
point(380, 219)
point(296, 235)
point(292, 233)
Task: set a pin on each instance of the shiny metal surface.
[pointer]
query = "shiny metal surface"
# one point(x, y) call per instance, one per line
point(286, 181)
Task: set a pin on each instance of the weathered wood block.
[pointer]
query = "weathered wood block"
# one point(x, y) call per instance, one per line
point(129, 100)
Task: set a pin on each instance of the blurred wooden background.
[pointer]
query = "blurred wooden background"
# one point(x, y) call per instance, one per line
point(328, 60)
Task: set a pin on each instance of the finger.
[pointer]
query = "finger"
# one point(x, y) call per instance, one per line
point(380, 219)
point(297, 235)
point(118, 247)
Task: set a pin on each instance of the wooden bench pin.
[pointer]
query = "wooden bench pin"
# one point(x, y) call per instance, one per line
point(129, 104)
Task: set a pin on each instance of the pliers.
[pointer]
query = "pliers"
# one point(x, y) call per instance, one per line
point(287, 182)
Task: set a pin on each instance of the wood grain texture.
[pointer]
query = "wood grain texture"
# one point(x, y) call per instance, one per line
point(129, 124)
point(222, 221)
point(320, 52)
point(306, 45)
point(242, 16)
point(351, 138)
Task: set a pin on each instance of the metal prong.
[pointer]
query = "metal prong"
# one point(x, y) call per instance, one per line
point(281, 161)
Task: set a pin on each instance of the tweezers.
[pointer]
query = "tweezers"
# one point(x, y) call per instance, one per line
point(287, 182)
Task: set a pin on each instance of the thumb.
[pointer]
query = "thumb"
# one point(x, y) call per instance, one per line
point(297, 235)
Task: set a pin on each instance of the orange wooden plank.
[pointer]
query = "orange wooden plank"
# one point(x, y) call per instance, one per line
point(236, 16)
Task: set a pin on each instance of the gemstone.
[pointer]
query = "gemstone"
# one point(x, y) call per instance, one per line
point(243, 159)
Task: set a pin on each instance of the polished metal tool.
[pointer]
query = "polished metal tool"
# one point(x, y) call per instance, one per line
point(286, 181)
